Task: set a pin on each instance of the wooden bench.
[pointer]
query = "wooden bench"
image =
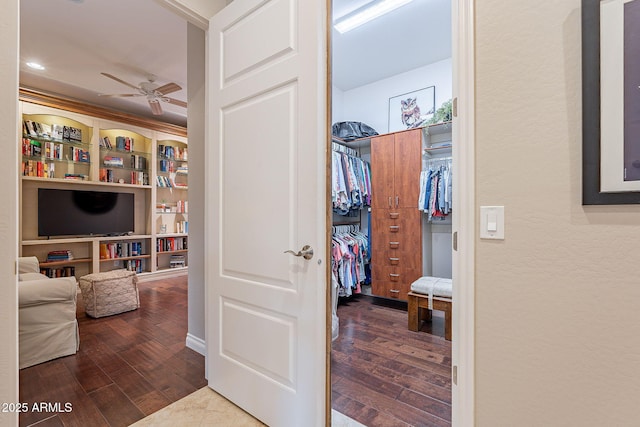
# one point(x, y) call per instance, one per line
point(418, 307)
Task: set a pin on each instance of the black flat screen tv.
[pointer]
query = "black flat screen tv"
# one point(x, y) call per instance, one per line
point(81, 213)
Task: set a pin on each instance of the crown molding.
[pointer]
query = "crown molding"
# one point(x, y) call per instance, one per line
point(69, 104)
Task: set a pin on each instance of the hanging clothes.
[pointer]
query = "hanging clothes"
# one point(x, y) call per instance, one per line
point(350, 181)
point(435, 189)
point(349, 254)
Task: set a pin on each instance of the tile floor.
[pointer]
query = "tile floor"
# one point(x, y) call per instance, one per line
point(205, 407)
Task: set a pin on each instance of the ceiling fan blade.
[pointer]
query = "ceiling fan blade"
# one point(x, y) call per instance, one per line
point(175, 101)
point(120, 95)
point(168, 88)
point(119, 80)
point(156, 109)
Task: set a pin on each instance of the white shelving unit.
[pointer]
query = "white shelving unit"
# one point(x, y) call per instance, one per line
point(139, 178)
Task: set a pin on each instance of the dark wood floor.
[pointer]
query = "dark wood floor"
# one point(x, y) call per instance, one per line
point(133, 364)
point(129, 365)
point(382, 374)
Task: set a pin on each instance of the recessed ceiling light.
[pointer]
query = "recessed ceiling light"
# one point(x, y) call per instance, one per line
point(367, 13)
point(35, 66)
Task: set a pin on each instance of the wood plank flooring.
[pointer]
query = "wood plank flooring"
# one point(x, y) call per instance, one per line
point(382, 374)
point(129, 365)
point(133, 364)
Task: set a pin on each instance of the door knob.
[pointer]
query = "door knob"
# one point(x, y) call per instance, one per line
point(306, 252)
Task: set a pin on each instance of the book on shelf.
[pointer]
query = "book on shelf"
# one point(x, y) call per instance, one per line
point(66, 271)
point(57, 132)
point(76, 176)
point(117, 250)
point(79, 155)
point(75, 134)
point(182, 226)
point(139, 178)
point(171, 152)
point(124, 143)
point(29, 129)
point(105, 142)
point(113, 161)
point(60, 255)
point(138, 162)
point(136, 265)
point(177, 261)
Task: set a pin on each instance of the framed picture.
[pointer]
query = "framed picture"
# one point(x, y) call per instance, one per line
point(411, 110)
point(610, 102)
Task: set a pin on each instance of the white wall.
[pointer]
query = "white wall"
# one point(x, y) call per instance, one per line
point(9, 46)
point(557, 302)
point(337, 101)
point(370, 103)
point(195, 127)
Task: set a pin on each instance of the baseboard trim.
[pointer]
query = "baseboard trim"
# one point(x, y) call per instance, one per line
point(162, 274)
point(196, 344)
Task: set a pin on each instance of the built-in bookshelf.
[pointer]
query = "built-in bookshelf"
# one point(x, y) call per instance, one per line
point(67, 149)
point(172, 206)
point(124, 157)
point(55, 147)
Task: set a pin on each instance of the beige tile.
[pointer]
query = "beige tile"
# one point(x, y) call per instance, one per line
point(207, 408)
point(204, 407)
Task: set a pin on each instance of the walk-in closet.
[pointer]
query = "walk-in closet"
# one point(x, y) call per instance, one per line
point(391, 191)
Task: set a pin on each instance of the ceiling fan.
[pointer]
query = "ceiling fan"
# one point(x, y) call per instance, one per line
point(154, 93)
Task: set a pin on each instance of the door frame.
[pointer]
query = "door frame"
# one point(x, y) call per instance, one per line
point(464, 221)
point(463, 320)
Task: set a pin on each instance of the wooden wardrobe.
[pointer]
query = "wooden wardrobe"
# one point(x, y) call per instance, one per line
point(396, 222)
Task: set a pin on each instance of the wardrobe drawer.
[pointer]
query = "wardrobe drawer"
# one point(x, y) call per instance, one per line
point(400, 260)
point(394, 274)
point(395, 290)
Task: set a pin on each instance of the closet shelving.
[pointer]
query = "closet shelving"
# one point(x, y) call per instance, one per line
point(437, 138)
point(82, 164)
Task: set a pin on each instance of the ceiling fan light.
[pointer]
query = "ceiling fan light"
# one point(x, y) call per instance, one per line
point(35, 66)
point(155, 106)
point(367, 13)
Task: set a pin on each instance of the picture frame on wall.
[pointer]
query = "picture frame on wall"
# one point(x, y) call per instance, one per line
point(412, 109)
point(611, 102)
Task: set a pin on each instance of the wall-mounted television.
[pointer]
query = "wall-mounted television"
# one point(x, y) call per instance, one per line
point(80, 213)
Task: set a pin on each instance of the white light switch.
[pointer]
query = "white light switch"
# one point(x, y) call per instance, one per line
point(492, 222)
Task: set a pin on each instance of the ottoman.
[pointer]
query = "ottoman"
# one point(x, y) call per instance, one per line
point(108, 293)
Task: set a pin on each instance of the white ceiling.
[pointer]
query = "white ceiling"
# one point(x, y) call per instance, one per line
point(76, 40)
point(409, 37)
point(129, 39)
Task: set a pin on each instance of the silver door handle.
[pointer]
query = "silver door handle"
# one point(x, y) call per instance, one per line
point(306, 252)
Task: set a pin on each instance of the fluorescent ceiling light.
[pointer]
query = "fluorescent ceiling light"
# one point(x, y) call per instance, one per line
point(35, 66)
point(367, 13)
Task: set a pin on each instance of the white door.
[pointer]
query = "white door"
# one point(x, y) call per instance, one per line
point(266, 194)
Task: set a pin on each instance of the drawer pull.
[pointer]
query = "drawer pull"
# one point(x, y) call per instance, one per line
point(394, 261)
point(394, 245)
point(395, 293)
point(394, 277)
point(394, 215)
point(394, 228)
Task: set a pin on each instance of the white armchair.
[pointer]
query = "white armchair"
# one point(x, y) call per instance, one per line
point(48, 327)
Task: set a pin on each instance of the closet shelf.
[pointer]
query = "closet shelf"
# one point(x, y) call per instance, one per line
point(438, 128)
point(435, 150)
point(356, 143)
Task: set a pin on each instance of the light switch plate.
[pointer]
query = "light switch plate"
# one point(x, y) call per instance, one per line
point(492, 222)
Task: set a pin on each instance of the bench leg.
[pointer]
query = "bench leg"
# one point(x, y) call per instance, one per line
point(412, 308)
point(447, 323)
